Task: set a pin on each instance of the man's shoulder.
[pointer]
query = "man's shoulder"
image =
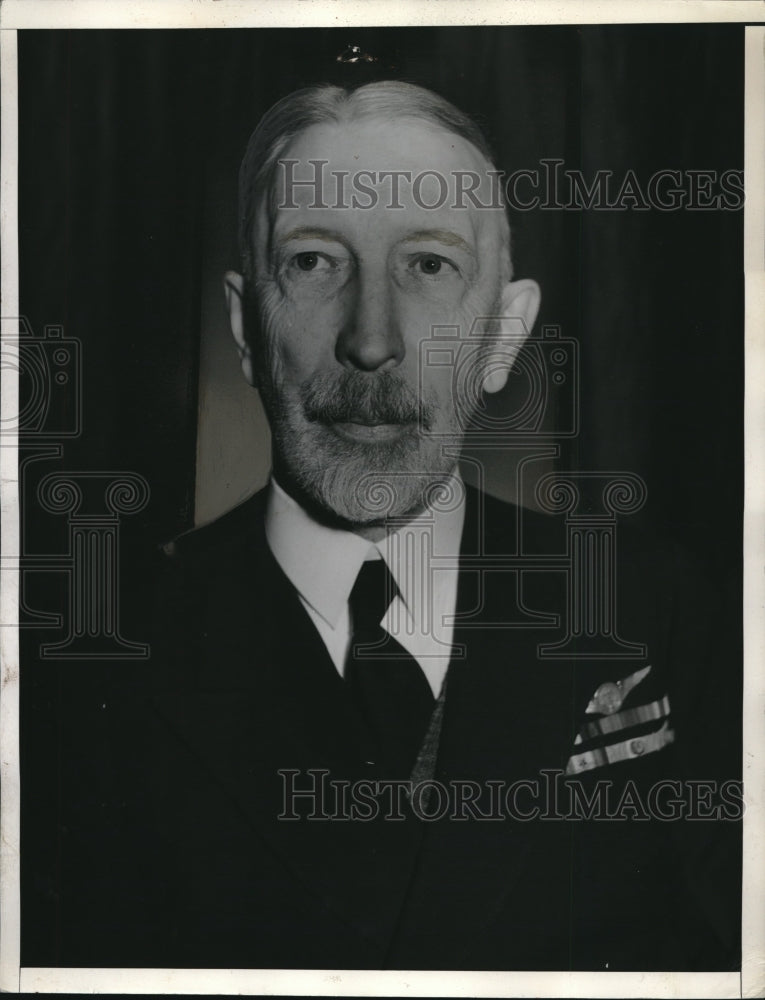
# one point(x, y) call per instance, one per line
point(498, 526)
point(208, 584)
point(649, 564)
point(236, 529)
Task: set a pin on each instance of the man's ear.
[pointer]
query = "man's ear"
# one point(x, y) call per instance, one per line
point(233, 287)
point(520, 305)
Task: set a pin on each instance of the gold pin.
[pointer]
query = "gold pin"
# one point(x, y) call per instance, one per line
point(609, 696)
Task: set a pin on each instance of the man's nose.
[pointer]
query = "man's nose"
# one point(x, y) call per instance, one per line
point(371, 339)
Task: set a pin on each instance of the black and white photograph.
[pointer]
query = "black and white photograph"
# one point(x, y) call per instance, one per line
point(380, 461)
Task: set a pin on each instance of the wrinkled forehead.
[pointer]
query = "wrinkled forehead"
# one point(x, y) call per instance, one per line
point(388, 176)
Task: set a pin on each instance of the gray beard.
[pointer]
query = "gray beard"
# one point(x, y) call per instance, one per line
point(357, 484)
point(360, 484)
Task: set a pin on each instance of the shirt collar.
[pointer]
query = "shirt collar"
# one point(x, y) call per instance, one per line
point(322, 562)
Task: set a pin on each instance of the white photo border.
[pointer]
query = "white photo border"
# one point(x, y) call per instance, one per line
point(152, 14)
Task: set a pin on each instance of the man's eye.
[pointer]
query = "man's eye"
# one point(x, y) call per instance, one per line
point(430, 264)
point(307, 261)
point(310, 260)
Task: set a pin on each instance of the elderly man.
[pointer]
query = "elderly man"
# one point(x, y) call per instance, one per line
point(358, 753)
point(338, 294)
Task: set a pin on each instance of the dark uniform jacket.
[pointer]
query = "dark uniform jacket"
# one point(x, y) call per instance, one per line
point(200, 853)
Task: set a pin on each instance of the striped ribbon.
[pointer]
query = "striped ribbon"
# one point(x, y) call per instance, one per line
point(629, 717)
point(626, 750)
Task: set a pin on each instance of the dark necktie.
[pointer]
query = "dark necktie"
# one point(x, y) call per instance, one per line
point(386, 683)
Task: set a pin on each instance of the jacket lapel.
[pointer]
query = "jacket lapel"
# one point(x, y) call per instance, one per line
point(268, 717)
point(508, 716)
point(264, 710)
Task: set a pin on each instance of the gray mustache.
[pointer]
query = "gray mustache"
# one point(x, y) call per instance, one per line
point(353, 396)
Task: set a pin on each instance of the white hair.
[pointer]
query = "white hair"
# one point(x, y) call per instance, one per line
point(293, 114)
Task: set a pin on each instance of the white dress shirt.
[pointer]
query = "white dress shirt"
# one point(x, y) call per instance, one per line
point(322, 563)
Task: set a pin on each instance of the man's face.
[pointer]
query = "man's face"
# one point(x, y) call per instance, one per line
point(346, 295)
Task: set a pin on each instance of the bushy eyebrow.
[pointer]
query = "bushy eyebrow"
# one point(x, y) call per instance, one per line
point(312, 233)
point(445, 236)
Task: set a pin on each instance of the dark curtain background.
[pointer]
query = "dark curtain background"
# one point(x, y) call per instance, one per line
point(129, 140)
